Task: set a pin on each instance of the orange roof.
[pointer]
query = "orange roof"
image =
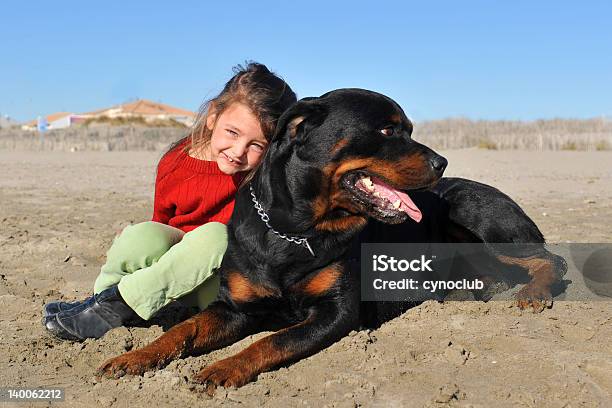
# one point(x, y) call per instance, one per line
point(145, 107)
point(50, 118)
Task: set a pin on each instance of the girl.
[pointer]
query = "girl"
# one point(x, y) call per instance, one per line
point(174, 255)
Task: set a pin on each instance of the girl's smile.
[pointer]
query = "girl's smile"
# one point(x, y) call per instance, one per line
point(233, 162)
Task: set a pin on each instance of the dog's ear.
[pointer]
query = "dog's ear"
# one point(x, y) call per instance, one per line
point(300, 119)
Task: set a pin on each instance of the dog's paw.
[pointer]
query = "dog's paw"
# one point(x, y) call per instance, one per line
point(230, 372)
point(133, 363)
point(534, 296)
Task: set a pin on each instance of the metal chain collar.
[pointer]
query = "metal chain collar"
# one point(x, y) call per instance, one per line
point(265, 218)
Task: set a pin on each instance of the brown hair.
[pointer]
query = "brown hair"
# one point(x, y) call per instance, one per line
point(253, 85)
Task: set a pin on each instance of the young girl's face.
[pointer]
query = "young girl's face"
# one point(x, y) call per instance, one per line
point(237, 142)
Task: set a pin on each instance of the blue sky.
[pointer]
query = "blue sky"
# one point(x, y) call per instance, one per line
point(478, 59)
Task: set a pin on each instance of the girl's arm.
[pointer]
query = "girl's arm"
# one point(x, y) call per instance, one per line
point(162, 210)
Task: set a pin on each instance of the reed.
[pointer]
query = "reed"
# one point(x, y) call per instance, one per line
point(456, 133)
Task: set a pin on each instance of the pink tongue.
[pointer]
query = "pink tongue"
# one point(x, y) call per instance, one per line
point(407, 205)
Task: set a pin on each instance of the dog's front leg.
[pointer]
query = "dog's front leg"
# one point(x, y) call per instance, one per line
point(214, 328)
point(326, 323)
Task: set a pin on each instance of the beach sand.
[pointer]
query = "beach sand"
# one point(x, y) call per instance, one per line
point(60, 211)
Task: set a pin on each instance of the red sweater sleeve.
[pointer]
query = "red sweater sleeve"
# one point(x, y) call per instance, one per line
point(163, 211)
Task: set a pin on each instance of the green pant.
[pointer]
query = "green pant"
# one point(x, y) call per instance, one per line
point(155, 263)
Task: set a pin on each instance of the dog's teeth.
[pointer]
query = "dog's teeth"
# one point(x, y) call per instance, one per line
point(397, 204)
point(376, 194)
point(368, 183)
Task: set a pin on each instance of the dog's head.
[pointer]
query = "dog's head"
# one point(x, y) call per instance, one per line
point(346, 156)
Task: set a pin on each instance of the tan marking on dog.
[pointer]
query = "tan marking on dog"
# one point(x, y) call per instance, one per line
point(402, 172)
point(203, 332)
point(536, 293)
point(340, 144)
point(243, 290)
point(241, 368)
point(539, 269)
point(323, 281)
point(397, 119)
point(344, 224)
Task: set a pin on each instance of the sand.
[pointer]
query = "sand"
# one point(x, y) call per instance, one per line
point(60, 211)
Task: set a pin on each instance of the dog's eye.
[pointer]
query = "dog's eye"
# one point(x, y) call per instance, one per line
point(388, 131)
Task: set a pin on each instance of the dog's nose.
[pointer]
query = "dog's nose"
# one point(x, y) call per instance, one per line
point(438, 164)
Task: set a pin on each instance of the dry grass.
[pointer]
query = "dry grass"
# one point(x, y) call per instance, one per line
point(133, 121)
point(92, 138)
point(557, 134)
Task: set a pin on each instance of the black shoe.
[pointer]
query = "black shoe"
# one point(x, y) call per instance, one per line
point(91, 319)
point(52, 308)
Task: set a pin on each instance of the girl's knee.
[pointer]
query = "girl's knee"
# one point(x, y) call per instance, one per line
point(215, 229)
point(154, 237)
point(209, 235)
point(145, 228)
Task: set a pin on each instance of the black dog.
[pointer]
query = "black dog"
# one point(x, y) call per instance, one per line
point(292, 229)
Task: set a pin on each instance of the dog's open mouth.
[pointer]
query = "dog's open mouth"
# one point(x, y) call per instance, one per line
point(380, 200)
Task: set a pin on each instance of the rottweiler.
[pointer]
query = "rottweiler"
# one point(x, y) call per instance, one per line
point(335, 162)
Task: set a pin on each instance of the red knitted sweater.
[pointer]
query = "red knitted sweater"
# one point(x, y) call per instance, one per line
point(190, 192)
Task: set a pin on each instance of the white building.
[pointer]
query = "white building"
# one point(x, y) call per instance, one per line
point(57, 120)
point(142, 108)
point(148, 110)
